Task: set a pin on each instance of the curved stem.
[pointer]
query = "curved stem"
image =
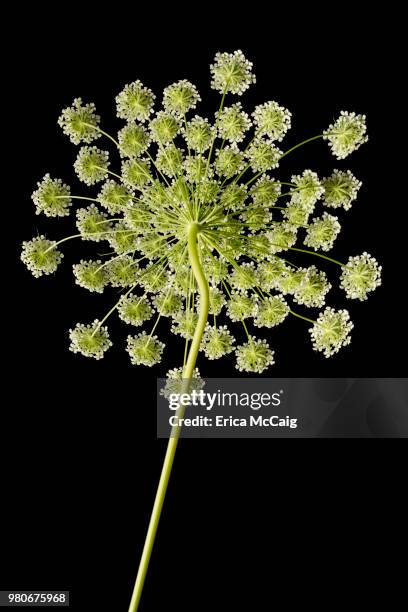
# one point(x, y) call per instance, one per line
point(300, 144)
point(175, 434)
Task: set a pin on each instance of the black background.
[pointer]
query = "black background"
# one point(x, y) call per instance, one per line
point(80, 463)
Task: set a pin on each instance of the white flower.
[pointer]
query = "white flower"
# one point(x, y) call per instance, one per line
point(180, 97)
point(272, 120)
point(254, 356)
point(340, 189)
point(331, 331)
point(79, 122)
point(135, 102)
point(41, 256)
point(346, 134)
point(144, 349)
point(322, 232)
point(361, 276)
point(52, 197)
point(231, 72)
point(89, 340)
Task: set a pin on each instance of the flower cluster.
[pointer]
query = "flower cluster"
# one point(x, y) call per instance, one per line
point(195, 230)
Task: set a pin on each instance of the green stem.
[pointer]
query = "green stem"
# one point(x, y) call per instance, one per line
point(173, 441)
point(300, 144)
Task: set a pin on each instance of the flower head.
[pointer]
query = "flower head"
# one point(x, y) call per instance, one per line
point(322, 232)
point(198, 134)
point(271, 311)
point(135, 102)
point(52, 197)
point(340, 189)
point(265, 191)
point(180, 97)
point(91, 165)
point(164, 128)
point(231, 72)
point(263, 155)
point(331, 331)
point(89, 340)
point(308, 189)
point(41, 256)
point(79, 122)
point(134, 309)
point(217, 341)
point(175, 383)
point(346, 134)
point(233, 123)
point(312, 288)
point(115, 197)
point(189, 202)
point(229, 161)
point(133, 140)
point(272, 120)
point(144, 349)
point(360, 276)
point(91, 275)
point(254, 356)
point(93, 224)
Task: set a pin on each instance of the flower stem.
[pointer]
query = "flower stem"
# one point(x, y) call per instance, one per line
point(175, 434)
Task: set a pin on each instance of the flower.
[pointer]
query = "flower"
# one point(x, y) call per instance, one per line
point(346, 134)
point(144, 349)
point(331, 331)
point(269, 272)
point(271, 311)
point(79, 122)
point(254, 356)
point(308, 189)
point(231, 72)
point(265, 191)
point(194, 197)
point(93, 224)
point(217, 341)
point(122, 271)
point(115, 197)
point(164, 128)
point(91, 165)
point(281, 237)
point(244, 277)
point(360, 276)
point(134, 309)
point(240, 306)
point(185, 322)
point(41, 256)
point(272, 120)
point(180, 97)
point(136, 173)
point(322, 232)
point(340, 189)
point(133, 140)
point(233, 123)
point(229, 161)
point(198, 134)
point(123, 239)
point(312, 289)
point(175, 383)
point(52, 197)
point(168, 303)
point(263, 155)
point(90, 340)
point(135, 102)
point(91, 275)
point(169, 160)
